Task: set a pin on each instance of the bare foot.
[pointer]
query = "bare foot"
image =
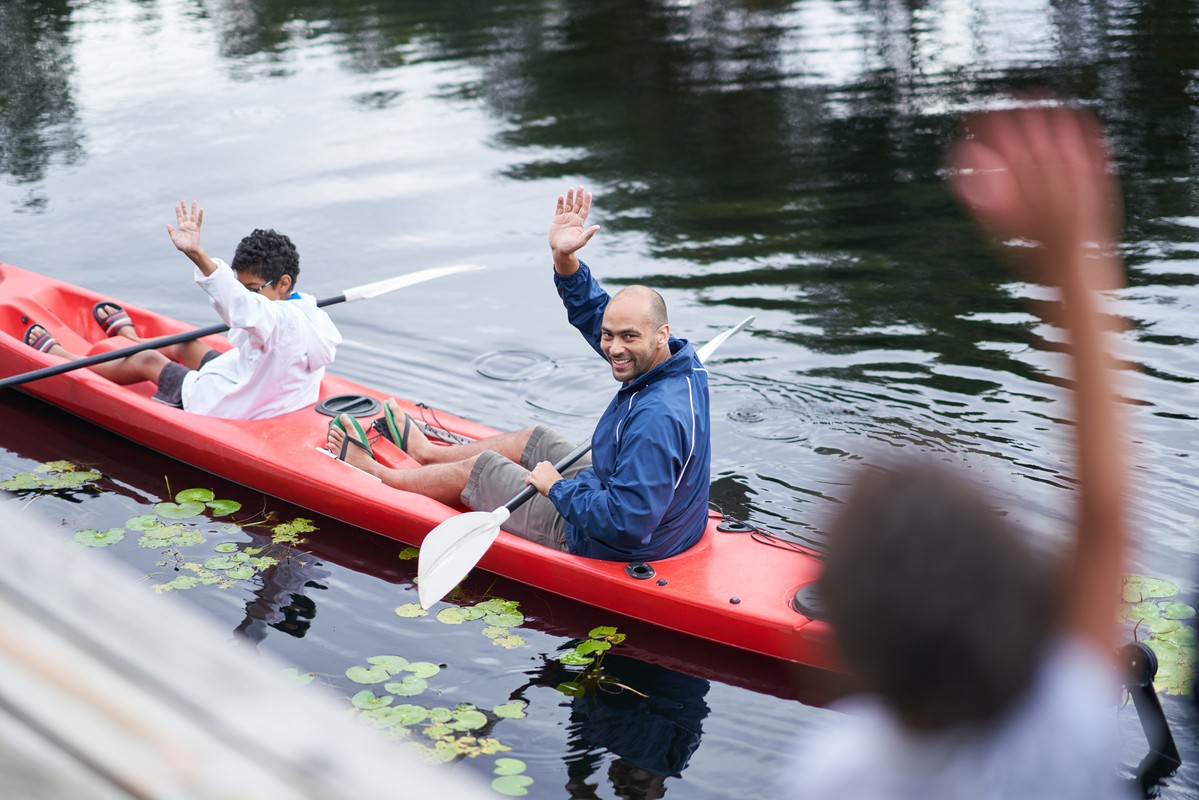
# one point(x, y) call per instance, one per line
point(125, 329)
point(354, 455)
point(39, 338)
point(416, 444)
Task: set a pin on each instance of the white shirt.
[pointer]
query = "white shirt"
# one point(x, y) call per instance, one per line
point(1060, 742)
point(280, 351)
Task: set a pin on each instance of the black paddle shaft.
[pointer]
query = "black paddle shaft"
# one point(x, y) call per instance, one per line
point(527, 493)
point(113, 355)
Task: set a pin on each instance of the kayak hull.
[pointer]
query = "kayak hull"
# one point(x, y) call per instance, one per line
point(728, 588)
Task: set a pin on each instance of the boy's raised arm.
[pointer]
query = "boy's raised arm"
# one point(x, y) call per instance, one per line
point(1042, 174)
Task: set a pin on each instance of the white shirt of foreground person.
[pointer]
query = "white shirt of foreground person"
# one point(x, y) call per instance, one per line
point(1060, 742)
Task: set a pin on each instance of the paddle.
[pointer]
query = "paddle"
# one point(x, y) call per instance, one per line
point(364, 292)
point(454, 547)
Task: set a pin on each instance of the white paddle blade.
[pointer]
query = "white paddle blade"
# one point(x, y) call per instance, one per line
point(452, 549)
point(369, 290)
point(705, 352)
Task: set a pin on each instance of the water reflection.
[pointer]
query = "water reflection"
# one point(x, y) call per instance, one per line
point(38, 120)
point(647, 726)
point(284, 602)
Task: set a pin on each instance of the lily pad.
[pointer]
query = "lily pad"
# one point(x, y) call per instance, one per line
point(411, 611)
point(409, 553)
point(56, 466)
point(1143, 587)
point(222, 508)
point(410, 714)
point(508, 642)
point(226, 547)
point(512, 710)
point(423, 669)
point(220, 562)
point(143, 522)
point(440, 714)
point(469, 720)
point(382, 668)
point(90, 537)
point(301, 678)
point(571, 689)
point(607, 633)
point(592, 646)
point(242, 572)
point(194, 496)
point(289, 532)
point(367, 700)
point(509, 766)
point(456, 616)
point(407, 686)
point(1177, 610)
point(574, 659)
point(512, 785)
point(508, 619)
point(185, 510)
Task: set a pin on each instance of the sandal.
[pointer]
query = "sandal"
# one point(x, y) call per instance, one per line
point(347, 440)
point(42, 342)
point(386, 426)
point(115, 318)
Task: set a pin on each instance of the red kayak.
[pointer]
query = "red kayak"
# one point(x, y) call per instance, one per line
point(729, 588)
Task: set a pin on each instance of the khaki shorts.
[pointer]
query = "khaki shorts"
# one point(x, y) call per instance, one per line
point(495, 480)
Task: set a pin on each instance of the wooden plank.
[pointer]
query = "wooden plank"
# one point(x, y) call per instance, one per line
point(110, 691)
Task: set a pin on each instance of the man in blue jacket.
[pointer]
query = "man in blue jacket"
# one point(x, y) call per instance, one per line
point(643, 494)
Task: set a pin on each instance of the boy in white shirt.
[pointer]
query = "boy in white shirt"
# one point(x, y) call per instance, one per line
point(281, 341)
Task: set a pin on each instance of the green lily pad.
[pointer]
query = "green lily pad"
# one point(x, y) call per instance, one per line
point(367, 700)
point(508, 642)
point(56, 466)
point(411, 611)
point(222, 508)
point(182, 582)
point(144, 522)
point(574, 659)
point(423, 669)
point(185, 510)
point(220, 562)
point(289, 532)
point(511, 710)
point(301, 678)
point(509, 766)
point(262, 562)
point(469, 720)
point(22, 481)
point(440, 714)
point(607, 633)
point(407, 686)
point(512, 785)
point(409, 553)
point(592, 646)
point(382, 668)
point(410, 714)
point(194, 496)
point(242, 572)
point(1176, 610)
point(1161, 627)
point(456, 616)
point(1143, 587)
point(90, 537)
point(508, 619)
point(226, 547)
point(571, 689)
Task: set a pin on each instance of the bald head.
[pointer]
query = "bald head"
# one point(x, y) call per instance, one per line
point(635, 335)
point(651, 303)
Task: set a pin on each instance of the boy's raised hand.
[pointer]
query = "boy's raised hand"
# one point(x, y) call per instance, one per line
point(1042, 173)
point(187, 236)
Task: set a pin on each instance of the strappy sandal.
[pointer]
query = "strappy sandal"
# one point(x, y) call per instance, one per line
point(42, 342)
point(348, 440)
point(115, 318)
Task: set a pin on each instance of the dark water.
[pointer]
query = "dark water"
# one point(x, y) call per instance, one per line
point(780, 159)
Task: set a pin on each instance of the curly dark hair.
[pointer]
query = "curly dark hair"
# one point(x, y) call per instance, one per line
point(936, 601)
point(267, 255)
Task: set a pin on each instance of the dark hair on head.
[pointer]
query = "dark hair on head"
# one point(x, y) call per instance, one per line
point(267, 255)
point(935, 601)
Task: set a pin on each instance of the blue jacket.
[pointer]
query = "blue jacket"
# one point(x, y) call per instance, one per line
point(645, 494)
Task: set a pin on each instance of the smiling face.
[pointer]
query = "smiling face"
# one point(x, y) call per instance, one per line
point(635, 333)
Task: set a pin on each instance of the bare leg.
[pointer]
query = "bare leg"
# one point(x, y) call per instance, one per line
point(442, 482)
point(143, 366)
point(189, 354)
point(509, 445)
